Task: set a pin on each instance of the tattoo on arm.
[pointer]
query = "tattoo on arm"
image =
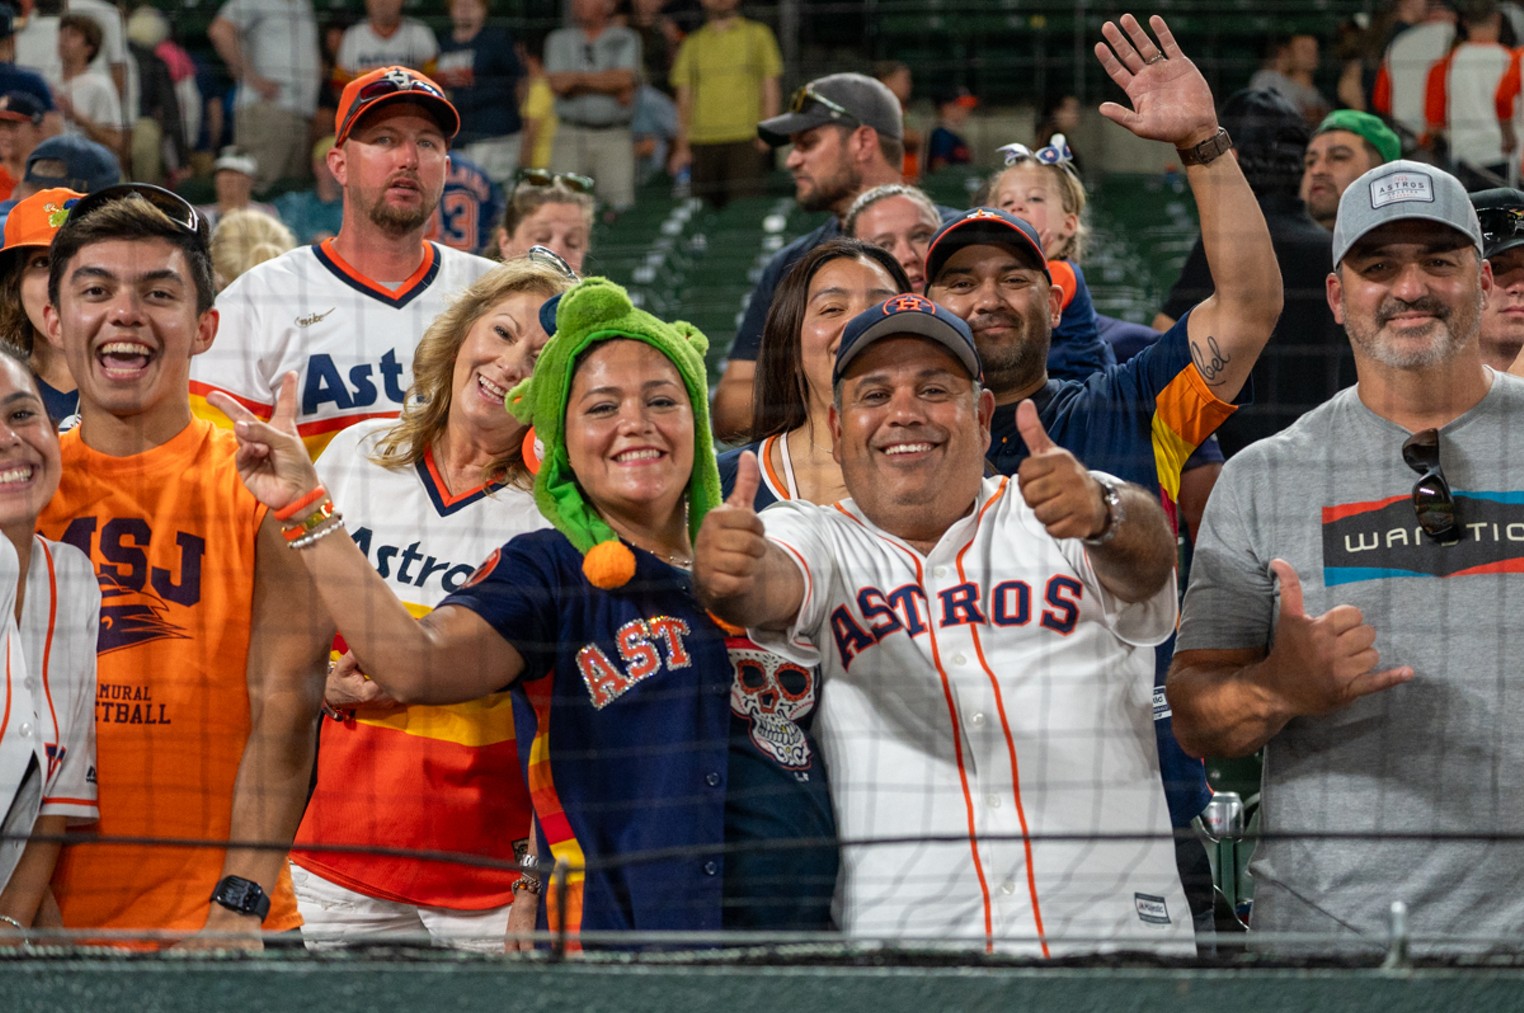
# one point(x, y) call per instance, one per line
point(1210, 365)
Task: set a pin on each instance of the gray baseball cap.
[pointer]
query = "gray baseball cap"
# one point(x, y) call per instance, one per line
point(1398, 191)
point(848, 99)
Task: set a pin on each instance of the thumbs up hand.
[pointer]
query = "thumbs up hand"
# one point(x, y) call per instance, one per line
point(1063, 495)
point(727, 557)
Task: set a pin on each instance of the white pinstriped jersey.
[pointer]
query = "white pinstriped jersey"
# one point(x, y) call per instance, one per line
point(349, 339)
point(47, 694)
point(988, 707)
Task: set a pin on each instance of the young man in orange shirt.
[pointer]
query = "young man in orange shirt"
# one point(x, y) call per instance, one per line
point(212, 648)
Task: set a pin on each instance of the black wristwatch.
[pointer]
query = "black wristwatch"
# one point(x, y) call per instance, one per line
point(244, 896)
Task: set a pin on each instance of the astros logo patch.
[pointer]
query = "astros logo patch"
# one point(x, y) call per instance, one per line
point(909, 304)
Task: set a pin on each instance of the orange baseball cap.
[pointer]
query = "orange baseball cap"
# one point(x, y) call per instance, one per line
point(35, 220)
point(385, 83)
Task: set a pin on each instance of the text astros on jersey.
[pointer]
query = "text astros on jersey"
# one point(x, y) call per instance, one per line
point(349, 339)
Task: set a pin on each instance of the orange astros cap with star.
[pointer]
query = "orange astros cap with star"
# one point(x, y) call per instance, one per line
point(34, 221)
point(385, 84)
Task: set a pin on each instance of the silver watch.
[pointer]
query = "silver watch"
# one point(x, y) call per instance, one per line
point(1116, 512)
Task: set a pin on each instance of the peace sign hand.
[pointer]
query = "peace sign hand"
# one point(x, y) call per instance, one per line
point(272, 460)
point(1170, 99)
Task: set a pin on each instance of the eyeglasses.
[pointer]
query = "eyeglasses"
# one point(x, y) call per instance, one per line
point(1432, 500)
point(1056, 153)
point(174, 207)
point(387, 84)
point(544, 177)
point(805, 95)
point(551, 259)
point(1499, 224)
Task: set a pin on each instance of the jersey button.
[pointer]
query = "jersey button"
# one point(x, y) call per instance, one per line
point(977, 719)
point(960, 658)
point(25, 731)
point(31, 683)
point(1008, 887)
point(939, 572)
point(711, 868)
point(992, 800)
point(712, 779)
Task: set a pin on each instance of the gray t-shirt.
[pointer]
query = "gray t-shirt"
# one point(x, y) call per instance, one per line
point(616, 48)
point(1442, 754)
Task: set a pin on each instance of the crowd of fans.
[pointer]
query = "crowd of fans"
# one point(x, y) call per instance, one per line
point(571, 674)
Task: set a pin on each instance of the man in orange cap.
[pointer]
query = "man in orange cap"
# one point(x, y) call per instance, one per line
point(345, 314)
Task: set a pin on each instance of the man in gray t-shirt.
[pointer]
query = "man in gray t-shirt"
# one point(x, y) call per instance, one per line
point(1389, 523)
point(594, 69)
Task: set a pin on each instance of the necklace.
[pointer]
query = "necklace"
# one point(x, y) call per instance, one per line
point(672, 558)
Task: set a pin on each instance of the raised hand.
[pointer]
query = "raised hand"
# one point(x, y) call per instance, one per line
point(1170, 99)
point(731, 542)
point(272, 460)
point(1328, 661)
point(1058, 488)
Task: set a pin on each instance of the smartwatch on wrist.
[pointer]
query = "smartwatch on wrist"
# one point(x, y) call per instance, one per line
point(243, 896)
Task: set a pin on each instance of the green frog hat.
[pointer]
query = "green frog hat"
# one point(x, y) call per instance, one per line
point(592, 311)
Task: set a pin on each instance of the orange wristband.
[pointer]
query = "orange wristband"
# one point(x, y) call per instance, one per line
point(290, 510)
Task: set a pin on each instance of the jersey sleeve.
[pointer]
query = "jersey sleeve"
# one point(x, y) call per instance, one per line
point(516, 592)
point(70, 790)
point(1231, 599)
point(796, 528)
point(233, 364)
point(1185, 411)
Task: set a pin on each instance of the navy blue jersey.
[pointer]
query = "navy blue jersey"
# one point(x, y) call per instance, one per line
point(469, 207)
point(626, 699)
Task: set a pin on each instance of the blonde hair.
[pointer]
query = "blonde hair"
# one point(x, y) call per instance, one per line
point(1070, 189)
point(426, 409)
point(244, 238)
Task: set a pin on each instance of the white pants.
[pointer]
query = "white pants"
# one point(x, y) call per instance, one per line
point(336, 916)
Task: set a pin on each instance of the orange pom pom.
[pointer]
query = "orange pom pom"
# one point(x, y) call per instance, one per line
point(608, 565)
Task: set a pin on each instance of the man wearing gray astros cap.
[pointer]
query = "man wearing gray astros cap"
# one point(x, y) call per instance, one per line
point(1353, 587)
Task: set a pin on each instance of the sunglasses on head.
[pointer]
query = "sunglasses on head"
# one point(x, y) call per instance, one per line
point(1499, 224)
point(551, 259)
point(1433, 502)
point(387, 84)
point(544, 177)
point(805, 95)
point(174, 207)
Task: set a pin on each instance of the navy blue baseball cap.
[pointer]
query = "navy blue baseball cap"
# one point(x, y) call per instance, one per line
point(912, 315)
point(984, 227)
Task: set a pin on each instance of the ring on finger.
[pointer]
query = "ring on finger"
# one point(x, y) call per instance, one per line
point(1156, 58)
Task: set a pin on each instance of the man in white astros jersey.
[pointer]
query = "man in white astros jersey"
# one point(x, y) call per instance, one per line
point(986, 655)
point(345, 313)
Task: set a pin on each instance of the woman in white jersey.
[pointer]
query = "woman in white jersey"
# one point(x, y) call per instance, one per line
point(428, 497)
point(47, 673)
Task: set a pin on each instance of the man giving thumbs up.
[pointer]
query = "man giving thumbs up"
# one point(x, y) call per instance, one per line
point(963, 623)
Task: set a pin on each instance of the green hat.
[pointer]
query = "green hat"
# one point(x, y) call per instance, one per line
point(599, 310)
point(1380, 136)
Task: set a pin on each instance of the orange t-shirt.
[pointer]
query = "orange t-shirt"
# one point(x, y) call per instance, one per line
point(171, 533)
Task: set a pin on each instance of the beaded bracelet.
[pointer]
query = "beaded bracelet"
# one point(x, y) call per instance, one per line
point(295, 507)
point(527, 884)
point(335, 523)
